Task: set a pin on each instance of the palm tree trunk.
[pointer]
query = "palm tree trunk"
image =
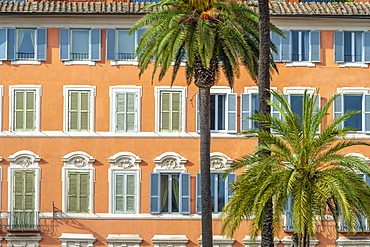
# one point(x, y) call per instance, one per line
point(267, 239)
point(204, 80)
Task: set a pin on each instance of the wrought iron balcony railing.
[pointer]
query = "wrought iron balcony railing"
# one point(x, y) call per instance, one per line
point(23, 221)
point(288, 222)
point(344, 228)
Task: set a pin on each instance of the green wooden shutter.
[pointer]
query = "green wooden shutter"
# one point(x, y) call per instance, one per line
point(73, 111)
point(24, 110)
point(85, 111)
point(18, 186)
point(125, 193)
point(126, 111)
point(19, 110)
point(72, 206)
point(131, 111)
point(84, 192)
point(79, 111)
point(23, 190)
point(29, 191)
point(78, 192)
point(165, 111)
point(120, 111)
point(130, 193)
point(119, 193)
point(171, 112)
point(176, 111)
point(30, 111)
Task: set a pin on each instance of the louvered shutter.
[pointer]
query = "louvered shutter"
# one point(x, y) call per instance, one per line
point(73, 111)
point(85, 111)
point(111, 44)
point(84, 194)
point(246, 111)
point(317, 108)
point(339, 47)
point(155, 193)
point(338, 108)
point(121, 111)
point(64, 44)
point(41, 44)
point(29, 195)
point(366, 113)
point(119, 195)
point(18, 190)
point(275, 112)
point(72, 206)
point(30, 110)
point(165, 111)
point(276, 39)
point(286, 47)
point(185, 193)
point(228, 184)
point(197, 103)
point(176, 111)
point(132, 113)
point(19, 111)
point(314, 46)
point(130, 193)
point(11, 44)
point(95, 44)
point(3, 43)
point(231, 112)
point(288, 222)
point(199, 194)
point(366, 46)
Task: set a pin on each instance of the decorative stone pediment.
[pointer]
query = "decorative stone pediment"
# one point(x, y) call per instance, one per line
point(170, 161)
point(78, 159)
point(220, 162)
point(24, 159)
point(257, 241)
point(125, 160)
point(361, 156)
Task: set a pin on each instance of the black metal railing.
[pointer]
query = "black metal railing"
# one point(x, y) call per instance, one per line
point(25, 56)
point(24, 221)
point(125, 56)
point(363, 226)
point(79, 56)
point(352, 58)
point(288, 222)
point(296, 58)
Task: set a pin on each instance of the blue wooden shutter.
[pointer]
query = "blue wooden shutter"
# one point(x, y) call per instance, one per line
point(11, 44)
point(231, 112)
point(41, 41)
point(288, 222)
point(246, 111)
point(314, 46)
point(274, 111)
point(366, 47)
point(338, 108)
point(276, 39)
point(3, 43)
point(228, 183)
point(64, 44)
point(286, 47)
point(317, 108)
point(199, 194)
point(339, 47)
point(95, 44)
point(185, 193)
point(111, 44)
point(155, 193)
point(366, 112)
point(197, 116)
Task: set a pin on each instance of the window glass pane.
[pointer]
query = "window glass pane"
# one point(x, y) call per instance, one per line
point(353, 103)
point(175, 193)
point(213, 191)
point(221, 192)
point(80, 44)
point(358, 46)
point(296, 104)
point(170, 193)
point(255, 108)
point(213, 112)
point(164, 193)
point(305, 42)
point(295, 45)
point(218, 107)
point(25, 44)
point(126, 45)
point(348, 46)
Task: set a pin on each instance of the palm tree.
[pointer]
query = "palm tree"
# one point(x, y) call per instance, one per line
point(212, 36)
point(304, 166)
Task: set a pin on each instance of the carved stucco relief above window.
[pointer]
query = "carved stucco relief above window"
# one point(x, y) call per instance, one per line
point(170, 161)
point(220, 162)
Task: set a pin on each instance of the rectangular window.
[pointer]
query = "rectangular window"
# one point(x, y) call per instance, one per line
point(124, 192)
point(296, 104)
point(78, 192)
point(170, 193)
point(353, 103)
point(352, 47)
point(300, 46)
point(80, 44)
point(79, 110)
point(218, 103)
point(26, 44)
point(170, 111)
point(126, 112)
point(23, 190)
point(24, 110)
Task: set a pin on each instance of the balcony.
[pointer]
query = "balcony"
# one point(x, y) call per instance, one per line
point(288, 222)
point(344, 228)
point(24, 221)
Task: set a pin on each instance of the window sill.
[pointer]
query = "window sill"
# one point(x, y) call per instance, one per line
point(22, 62)
point(300, 64)
point(1, 62)
point(353, 65)
point(115, 63)
point(90, 63)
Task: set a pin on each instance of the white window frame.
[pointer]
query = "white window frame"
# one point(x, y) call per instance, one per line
point(112, 93)
point(24, 160)
point(38, 94)
point(170, 240)
point(288, 241)
point(34, 61)
point(353, 64)
point(224, 90)
point(77, 239)
point(66, 90)
point(20, 240)
point(126, 62)
point(219, 241)
point(349, 241)
point(299, 90)
point(157, 96)
point(77, 162)
point(79, 62)
point(128, 240)
point(124, 163)
point(256, 242)
point(1, 107)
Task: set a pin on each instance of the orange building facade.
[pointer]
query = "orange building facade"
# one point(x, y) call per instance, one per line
point(91, 155)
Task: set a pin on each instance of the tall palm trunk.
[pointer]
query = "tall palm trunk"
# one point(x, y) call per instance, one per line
point(204, 80)
point(267, 239)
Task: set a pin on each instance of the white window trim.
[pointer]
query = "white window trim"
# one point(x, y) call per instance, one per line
point(300, 64)
point(24, 160)
point(73, 62)
point(77, 239)
point(254, 90)
point(170, 162)
point(77, 162)
point(129, 240)
point(126, 62)
point(353, 65)
point(170, 240)
point(219, 240)
point(288, 241)
point(350, 241)
point(25, 62)
point(127, 163)
point(220, 162)
point(116, 63)
point(19, 240)
point(1, 107)
point(38, 90)
point(299, 90)
point(112, 92)
point(1, 62)
point(257, 242)
point(353, 90)
point(222, 90)
point(66, 90)
point(157, 96)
